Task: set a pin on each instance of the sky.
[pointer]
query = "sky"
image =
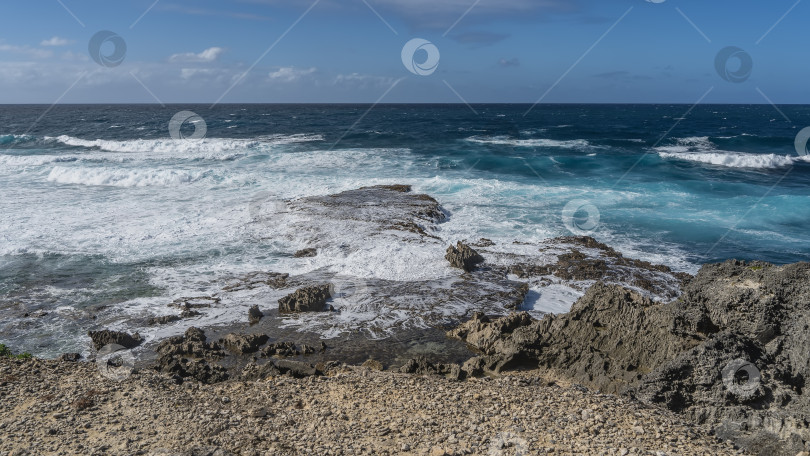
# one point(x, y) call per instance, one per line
point(351, 51)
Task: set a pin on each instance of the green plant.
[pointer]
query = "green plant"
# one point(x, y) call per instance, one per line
point(5, 352)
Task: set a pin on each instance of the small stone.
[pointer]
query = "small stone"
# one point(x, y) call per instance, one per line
point(254, 314)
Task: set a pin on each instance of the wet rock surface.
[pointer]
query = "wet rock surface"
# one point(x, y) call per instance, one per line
point(107, 337)
point(307, 299)
point(306, 253)
point(462, 256)
point(254, 314)
point(726, 354)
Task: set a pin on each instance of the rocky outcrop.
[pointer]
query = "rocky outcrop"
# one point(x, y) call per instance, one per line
point(731, 352)
point(421, 366)
point(190, 356)
point(463, 257)
point(306, 253)
point(107, 337)
point(307, 299)
point(243, 344)
point(255, 315)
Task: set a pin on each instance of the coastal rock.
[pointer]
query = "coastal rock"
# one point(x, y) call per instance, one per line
point(254, 314)
point(373, 364)
point(297, 369)
point(307, 299)
point(70, 357)
point(282, 349)
point(730, 353)
point(243, 344)
point(583, 259)
point(259, 279)
point(306, 253)
point(258, 372)
point(190, 356)
point(107, 337)
point(197, 369)
point(463, 257)
point(421, 366)
point(166, 319)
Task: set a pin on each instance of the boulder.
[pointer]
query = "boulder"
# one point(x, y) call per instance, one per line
point(283, 349)
point(242, 344)
point(107, 337)
point(307, 299)
point(421, 366)
point(463, 257)
point(254, 314)
point(306, 253)
point(297, 369)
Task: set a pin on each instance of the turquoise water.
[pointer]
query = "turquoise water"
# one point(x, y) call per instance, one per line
point(100, 207)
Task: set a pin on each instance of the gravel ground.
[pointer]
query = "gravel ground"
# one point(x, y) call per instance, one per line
point(57, 407)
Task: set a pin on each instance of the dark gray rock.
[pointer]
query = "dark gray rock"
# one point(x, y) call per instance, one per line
point(70, 357)
point(254, 314)
point(463, 257)
point(421, 366)
point(307, 299)
point(107, 337)
point(297, 369)
point(282, 349)
point(731, 353)
point(242, 344)
point(306, 253)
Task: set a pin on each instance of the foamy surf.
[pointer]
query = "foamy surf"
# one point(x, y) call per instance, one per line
point(703, 150)
point(122, 177)
point(181, 147)
point(550, 143)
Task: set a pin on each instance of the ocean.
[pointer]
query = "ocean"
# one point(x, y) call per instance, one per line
point(106, 218)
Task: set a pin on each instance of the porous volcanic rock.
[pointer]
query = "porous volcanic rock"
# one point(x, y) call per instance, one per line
point(107, 337)
point(732, 318)
point(254, 314)
point(307, 299)
point(463, 256)
point(242, 344)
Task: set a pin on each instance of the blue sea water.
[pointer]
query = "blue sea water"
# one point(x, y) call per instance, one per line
point(101, 208)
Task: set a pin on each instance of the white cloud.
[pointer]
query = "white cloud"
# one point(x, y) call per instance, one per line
point(26, 50)
point(56, 41)
point(363, 80)
point(74, 57)
point(208, 55)
point(290, 74)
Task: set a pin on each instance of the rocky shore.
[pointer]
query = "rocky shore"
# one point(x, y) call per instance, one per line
point(647, 360)
point(59, 407)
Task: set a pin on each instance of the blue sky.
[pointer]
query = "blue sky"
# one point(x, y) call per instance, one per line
point(184, 51)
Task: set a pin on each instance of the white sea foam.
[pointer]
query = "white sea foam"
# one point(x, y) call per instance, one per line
point(175, 147)
point(552, 143)
point(736, 159)
point(703, 150)
point(122, 177)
